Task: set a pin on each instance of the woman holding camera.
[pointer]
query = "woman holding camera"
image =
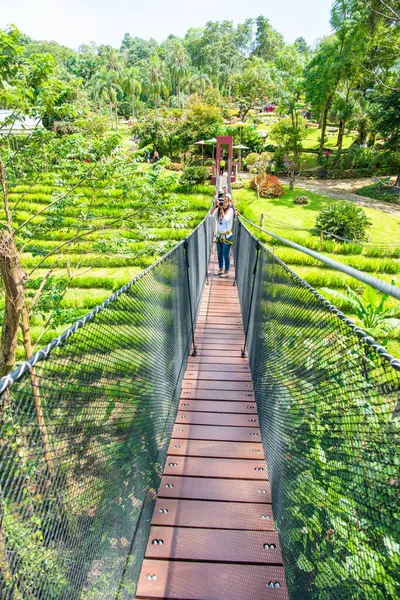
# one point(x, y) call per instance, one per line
point(223, 212)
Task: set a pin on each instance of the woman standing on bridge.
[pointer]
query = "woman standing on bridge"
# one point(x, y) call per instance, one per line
point(223, 212)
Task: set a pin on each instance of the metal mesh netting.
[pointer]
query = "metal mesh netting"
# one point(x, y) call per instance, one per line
point(329, 405)
point(84, 436)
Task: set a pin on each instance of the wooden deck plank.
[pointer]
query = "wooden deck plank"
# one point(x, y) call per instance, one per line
point(213, 515)
point(204, 358)
point(216, 449)
point(213, 418)
point(204, 374)
point(179, 580)
point(222, 368)
point(218, 468)
point(210, 545)
point(233, 396)
point(244, 408)
point(225, 490)
point(223, 433)
point(217, 385)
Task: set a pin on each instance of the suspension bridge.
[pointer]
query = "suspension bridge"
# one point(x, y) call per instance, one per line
point(196, 438)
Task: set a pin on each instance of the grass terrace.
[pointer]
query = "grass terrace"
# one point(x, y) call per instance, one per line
point(83, 274)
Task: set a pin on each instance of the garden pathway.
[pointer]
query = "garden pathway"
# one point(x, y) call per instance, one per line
point(212, 532)
point(344, 189)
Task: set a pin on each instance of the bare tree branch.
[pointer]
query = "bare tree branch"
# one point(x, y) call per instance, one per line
point(393, 15)
point(373, 72)
point(39, 212)
point(5, 198)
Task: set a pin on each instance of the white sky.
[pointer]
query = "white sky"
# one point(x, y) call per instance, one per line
point(73, 22)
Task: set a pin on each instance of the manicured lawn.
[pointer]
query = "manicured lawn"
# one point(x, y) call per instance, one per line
point(283, 217)
point(282, 213)
point(313, 136)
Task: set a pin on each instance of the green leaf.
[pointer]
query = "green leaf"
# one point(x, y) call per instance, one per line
point(304, 564)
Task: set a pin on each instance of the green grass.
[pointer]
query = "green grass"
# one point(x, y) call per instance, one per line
point(380, 192)
point(281, 215)
point(295, 223)
point(99, 265)
point(313, 136)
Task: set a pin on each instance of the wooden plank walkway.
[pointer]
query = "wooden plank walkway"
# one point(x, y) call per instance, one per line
point(212, 532)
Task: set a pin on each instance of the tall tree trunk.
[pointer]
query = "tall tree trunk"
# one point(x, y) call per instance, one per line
point(296, 150)
point(111, 116)
point(324, 123)
point(339, 142)
point(362, 132)
point(26, 334)
point(133, 107)
point(14, 278)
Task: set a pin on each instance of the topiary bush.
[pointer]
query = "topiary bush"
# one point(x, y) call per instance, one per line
point(194, 175)
point(344, 219)
point(301, 200)
point(252, 159)
point(237, 185)
point(267, 186)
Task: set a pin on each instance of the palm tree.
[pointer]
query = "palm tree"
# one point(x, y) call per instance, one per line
point(198, 82)
point(106, 86)
point(131, 85)
point(156, 83)
point(112, 59)
point(177, 62)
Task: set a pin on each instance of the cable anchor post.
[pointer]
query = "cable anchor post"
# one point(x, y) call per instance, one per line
point(237, 229)
point(185, 246)
point(206, 250)
point(251, 297)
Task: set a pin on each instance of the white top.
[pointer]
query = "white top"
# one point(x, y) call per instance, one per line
point(226, 223)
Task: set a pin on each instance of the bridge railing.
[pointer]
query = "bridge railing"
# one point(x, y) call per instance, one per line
point(84, 429)
point(328, 398)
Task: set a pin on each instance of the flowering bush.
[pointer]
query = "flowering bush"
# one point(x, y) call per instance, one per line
point(267, 186)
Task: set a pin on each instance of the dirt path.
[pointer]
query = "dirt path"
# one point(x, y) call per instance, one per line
point(344, 189)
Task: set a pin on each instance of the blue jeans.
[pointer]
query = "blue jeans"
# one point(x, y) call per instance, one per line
point(224, 255)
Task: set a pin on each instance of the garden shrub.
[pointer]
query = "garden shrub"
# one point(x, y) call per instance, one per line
point(266, 157)
point(344, 219)
point(237, 185)
point(267, 186)
point(270, 147)
point(381, 192)
point(301, 200)
point(173, 166)
point(208, 162)
point(252, 159)
point(365, 158)
point(193, 175)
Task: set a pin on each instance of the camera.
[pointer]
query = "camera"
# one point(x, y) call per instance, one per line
point(221, 202)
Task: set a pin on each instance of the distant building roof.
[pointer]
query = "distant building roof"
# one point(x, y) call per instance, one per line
point(19, 125)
